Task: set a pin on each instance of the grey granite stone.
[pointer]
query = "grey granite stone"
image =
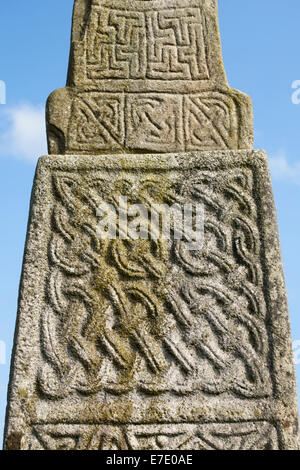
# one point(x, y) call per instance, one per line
point(144, 344)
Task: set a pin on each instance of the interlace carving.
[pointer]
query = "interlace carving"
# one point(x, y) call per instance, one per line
point(217, 436)
point(152, 315)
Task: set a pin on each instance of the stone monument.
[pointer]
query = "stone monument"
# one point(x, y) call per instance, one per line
point(142, 342)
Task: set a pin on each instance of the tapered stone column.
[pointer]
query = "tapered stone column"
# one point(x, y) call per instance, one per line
point(127, 342)
point(147, 76)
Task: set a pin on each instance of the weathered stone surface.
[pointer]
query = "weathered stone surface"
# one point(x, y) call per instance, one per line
point(147, 76)
point(143, 344)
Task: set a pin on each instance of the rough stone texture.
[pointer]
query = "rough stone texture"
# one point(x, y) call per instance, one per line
point(147, 76)
point(146, 345)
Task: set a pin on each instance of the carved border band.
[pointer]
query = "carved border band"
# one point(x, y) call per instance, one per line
point(161, 122)
point(214, 436)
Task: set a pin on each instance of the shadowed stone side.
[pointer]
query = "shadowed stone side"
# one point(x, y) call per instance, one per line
point(147, 345)
point(147, 76)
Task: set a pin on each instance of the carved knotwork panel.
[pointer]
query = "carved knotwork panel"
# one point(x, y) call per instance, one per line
point(97, 120)
point(161, 122)
point(144, 42)
point(141, 342)
point(150, 316)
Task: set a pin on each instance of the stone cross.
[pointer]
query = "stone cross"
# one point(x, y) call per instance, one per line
point(147, 76)
point(128, 339)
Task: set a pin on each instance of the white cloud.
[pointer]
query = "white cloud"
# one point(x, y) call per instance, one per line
point(283, 170)
point(25, 133)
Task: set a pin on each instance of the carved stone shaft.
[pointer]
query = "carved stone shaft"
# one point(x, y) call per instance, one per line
point(147, 76)
point(145, 342)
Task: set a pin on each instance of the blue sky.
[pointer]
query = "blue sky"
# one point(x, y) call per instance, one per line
point(261, 52)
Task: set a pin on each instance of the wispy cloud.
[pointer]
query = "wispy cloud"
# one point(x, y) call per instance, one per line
point(22, 132)
point(283, 170)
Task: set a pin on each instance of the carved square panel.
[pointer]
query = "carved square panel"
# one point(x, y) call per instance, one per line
point(154, 122)
point(97, 121)
point(211, 121)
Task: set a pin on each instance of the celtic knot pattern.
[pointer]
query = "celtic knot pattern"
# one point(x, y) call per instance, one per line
point(97, 120)
point(159, 122)
point(118, 317)
point(165, 44)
